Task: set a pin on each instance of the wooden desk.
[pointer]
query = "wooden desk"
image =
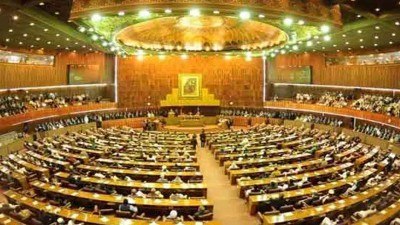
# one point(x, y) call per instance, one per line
point(48, 159)
point(296, 142)
point(22, 179)
point(234, 174)
point(30, 166)
point(80, 216)
point(382, 217)
point(267, 181)
point(144, 203)
point(200, 189)
point(254, 200)
point(265, 161)
point(322, 210)
point(367, 157)
point(148, 164)
point(6, 220)
point(142, 173)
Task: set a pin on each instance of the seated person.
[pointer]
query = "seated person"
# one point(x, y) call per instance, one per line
point(162, 179)
point(201, 211)
point(365, 213)
point(126, 207)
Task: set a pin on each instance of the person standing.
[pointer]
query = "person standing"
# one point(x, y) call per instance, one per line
point(193, 142)
point(203, 138)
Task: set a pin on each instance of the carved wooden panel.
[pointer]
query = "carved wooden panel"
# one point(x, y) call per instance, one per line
point(149, 80)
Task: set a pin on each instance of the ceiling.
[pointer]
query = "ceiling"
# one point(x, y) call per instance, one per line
point(372, 25)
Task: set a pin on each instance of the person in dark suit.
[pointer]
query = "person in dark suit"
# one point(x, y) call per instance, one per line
point(203, 138)
point(193, 141)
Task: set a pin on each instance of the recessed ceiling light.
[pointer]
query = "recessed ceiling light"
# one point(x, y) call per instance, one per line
point(195, 12)
point(377, 9)
point(67, 39)
point(325, 28)
point(144, 13)
point(121, 13)
point(21, 43)
point(168, 11)
point(37, 39)
point(7, 39)
point(359, 31)
point(49, 42)
point(261, 16)
point(344, 35)
point(397, 23)
point(57, 13)
point(82, 29)
point(41, 3)
point(288, 21)
point(375, 44)
point(327, 38)
point(96, 17)
point(244, 15)
point(57, 35)
point(15, 17)
point(390, 42)
point(216, 12)
point(25, 35)
point(362, 46)
point(393, 34)
point(361, 40)
point(32, 24)
point(45, 30)
point(376, 37)
point(377, 27)
point(301, 22)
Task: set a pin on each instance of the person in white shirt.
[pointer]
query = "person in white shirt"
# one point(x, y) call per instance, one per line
point(365, 213)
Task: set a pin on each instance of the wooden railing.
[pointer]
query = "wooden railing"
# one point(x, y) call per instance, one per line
point(19, 119)
point(349, 112)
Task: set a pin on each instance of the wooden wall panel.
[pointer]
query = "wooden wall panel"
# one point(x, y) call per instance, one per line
point(151, 79)
point(383, 76)
point(14, 76)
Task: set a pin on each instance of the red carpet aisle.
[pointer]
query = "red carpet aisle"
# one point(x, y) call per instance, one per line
point(229, 209)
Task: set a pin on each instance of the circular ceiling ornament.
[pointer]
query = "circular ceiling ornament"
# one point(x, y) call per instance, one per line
point(201, 33)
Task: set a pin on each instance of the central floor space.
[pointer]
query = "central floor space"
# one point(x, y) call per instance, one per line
point(229, 209)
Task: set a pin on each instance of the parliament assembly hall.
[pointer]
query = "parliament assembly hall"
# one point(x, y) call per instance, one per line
point(199, 112)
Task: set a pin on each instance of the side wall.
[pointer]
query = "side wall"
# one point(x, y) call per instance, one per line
point(383, 76)
point(15, 76)
point(150, 79)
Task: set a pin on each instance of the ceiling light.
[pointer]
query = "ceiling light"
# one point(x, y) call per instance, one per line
point(21, 43)
point(377, 9)
point(41, 3)
point(49, 42)
point(168, 11)
point(344, 35)
point(376, 37)
point(295, 47)
point(45, 30)
point(359, 31)
point(32, 24)
point(121, 13)
point(25, 35)
point(82, 29)
point(8, 40)
point(362, 46)
point(393, 34)
point(144, 13)
point(244, 15)
point(377, 27)
point(375, 44)
point(95, 37)
point(301, 22)
point(15, 17)
point(57, 35)
point(37, 39)
point(309, 43)
point(327, 38)
point(390, 42)
point(288, 21)
point(96, 17)
point(184, 56)
point(361, 40)
point(216, 12)
point(261, 16)
point(325, 28)
point(397, 23)
point(57, 13)
point(195, 12)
